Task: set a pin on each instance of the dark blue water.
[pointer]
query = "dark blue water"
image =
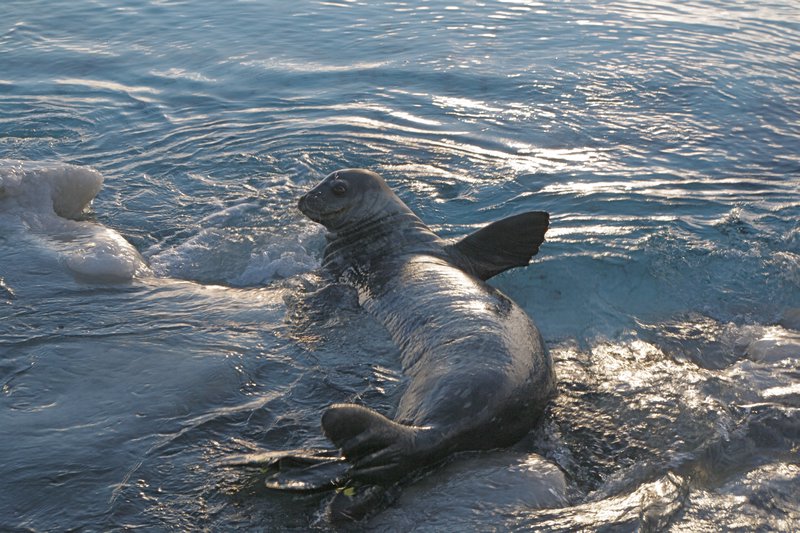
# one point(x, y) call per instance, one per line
point(165, 327)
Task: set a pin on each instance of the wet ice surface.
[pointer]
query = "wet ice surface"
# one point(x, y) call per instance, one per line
point(169, 324)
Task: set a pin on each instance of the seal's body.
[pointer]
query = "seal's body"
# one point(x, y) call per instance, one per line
point(480, 375)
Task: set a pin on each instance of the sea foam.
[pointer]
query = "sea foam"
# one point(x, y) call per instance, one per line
point(43, 204)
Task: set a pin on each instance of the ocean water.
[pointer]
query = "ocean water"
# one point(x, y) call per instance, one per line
point(154, 269)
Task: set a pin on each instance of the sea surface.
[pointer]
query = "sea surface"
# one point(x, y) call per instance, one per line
point(155, 272)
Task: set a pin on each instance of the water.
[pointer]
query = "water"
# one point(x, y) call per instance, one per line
point(167, 326)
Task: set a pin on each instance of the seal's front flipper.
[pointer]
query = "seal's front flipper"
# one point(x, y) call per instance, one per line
point(507, 243)
point(380, 450)
point(296, 470)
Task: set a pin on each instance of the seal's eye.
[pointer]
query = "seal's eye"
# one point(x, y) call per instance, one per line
point(339, 188)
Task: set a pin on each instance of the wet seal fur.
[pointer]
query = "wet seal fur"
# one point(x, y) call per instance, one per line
point(480, 376)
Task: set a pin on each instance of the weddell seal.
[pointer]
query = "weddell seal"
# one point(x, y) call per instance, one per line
point(479, 373)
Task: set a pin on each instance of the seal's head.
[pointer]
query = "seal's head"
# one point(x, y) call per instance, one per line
point(350, 198)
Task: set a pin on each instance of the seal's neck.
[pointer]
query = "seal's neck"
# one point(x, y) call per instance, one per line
point(376, 239)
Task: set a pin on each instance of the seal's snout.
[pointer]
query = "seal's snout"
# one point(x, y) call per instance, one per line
point(308, 205)
point(301, 202)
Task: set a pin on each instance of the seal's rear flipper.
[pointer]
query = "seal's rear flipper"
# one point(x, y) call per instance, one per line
point(296, 470)
point(380, 449)
point(507, 243)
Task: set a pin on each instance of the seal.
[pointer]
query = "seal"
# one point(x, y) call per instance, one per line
point(479, 374)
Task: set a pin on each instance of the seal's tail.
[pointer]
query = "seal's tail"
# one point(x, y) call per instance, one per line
point(380, 450)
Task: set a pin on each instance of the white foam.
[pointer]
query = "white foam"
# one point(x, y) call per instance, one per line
point(42, 203)
point(104, 254)
point(269, 265)
point(182, 259)
point(282, 256)
point(207, 255)
point(39, 189)
point(774, 344)
point(219, 252)
point(201, 257)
